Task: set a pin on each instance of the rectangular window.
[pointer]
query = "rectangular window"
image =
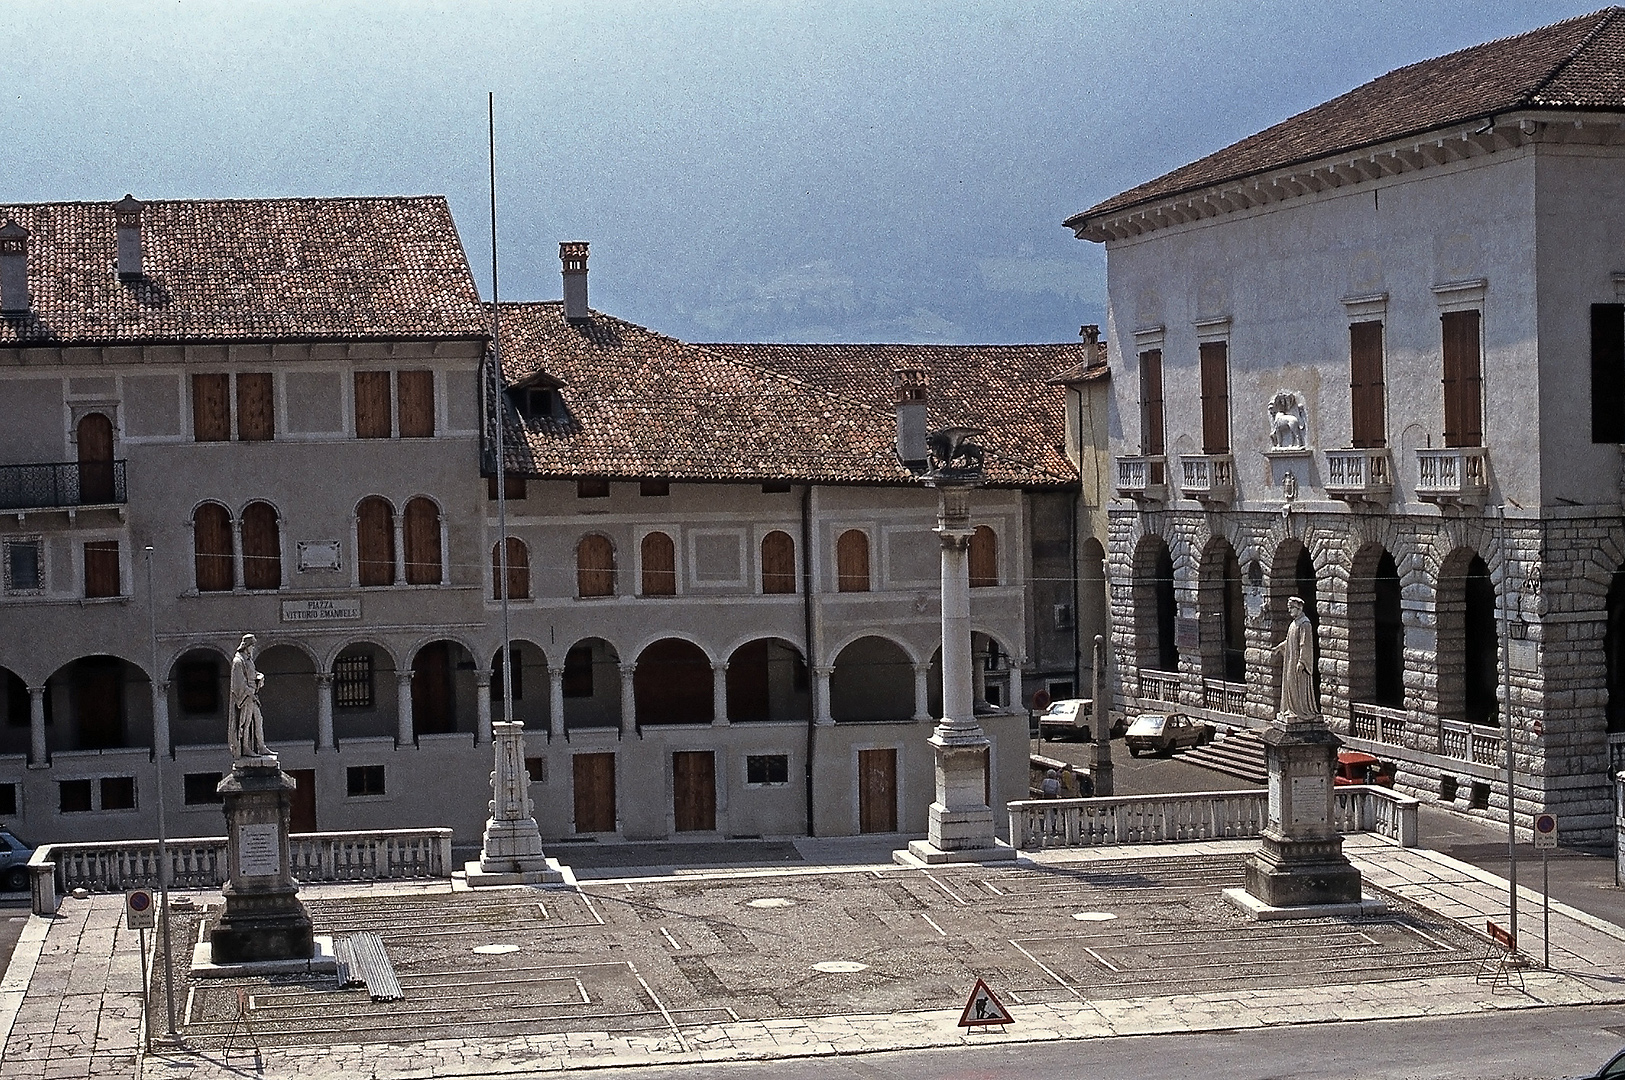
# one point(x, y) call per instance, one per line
point(514, 487)
point(372, 419)
point(198, 788)
point(8, 800)
point(1366, 401)
point(101, 568)
point(24, 572)
point(198, 685)
point(1463, 380)
point(1215, 357)
point(211, 407)
point(73, 796)
point(1151, 424)
point(352, 682)
point(518, 680)
point(592, 487)
point(654, 487)
point(256, 415)
point(537, 768)
point(416, 390)
point(364, 780)
point(767, 769)
point(1608, 373)
point(776, 487)
point(578, 672)
point(118, 793)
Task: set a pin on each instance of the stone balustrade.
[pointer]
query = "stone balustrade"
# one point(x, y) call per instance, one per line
point(200, 862)
point(1159, 685)
point(1224, 697)
point(1375, 723)
point(1478, 743)
point(1207, 815)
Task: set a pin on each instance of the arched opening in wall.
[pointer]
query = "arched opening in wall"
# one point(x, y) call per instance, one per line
point(262, 547)
point(1094, 611)
point(365, 694)
point(767, 681)
point(95, 437)
point(1389, 625)
point(212, 547)
point(1467, 646)
point(658, 559)
point(1481, 646)
point(375, 542)
point(199, 698)
point(1613, 650)
point(1224, 625)
point(422, 529)
point(1291, 573)
point(532, 688)
point(16, 713)
point(852, 561)
point(873, 680)
point(1155, 608)
point(991, 683)
point(595, 566)
point(1303, 576)
point(592, 685)
point(982, 553)
point(288, 701)
point(778, 563)
point(518, 570)
point(99, 703)
point(1376, 641)
point(673, 684)
point(443, 689)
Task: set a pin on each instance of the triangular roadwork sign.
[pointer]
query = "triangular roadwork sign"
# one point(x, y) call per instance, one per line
point(984, 1008)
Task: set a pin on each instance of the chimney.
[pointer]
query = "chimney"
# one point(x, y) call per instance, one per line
point(13, 268)
point(573, 254)
point(911, 387)
point(127, 219)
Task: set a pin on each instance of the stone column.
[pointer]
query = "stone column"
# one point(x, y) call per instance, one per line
point(512, 853)
point(37, 756)
point(324, 711)
point(160, 719)
point(404, 735)
point(629, 698)
point(821, 708)
point(482, 707)
point(1100, 768)
point(922, 691)
point(719, 693)
point(555, 699)
point(237, 581)
point(400, 546)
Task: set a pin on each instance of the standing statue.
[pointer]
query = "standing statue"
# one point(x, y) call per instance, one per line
point(245, 728)
point(1298, 700)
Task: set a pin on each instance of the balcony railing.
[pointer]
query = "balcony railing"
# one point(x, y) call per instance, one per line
point(1359, 475)
point(1224, 697)
point(1455, 475)
point(1142, 478)
point(1208, 477)
point(1377, 724)
point(1470, 742)
point(60, 484)
point(1159, 686)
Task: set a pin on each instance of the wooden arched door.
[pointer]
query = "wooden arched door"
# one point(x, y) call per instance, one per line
point(95, 459)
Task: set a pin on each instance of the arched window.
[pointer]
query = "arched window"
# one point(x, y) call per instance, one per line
point(422, 542)
point(852, 561)
point(262, 547)
point(659, 566)
point(1480, 645)
point(375, 542)
point(778, 563)
point(1389, 674)
point(518, 570)
point(95, 459)
point(211, 541)
point(984, 558)
point(595, 566)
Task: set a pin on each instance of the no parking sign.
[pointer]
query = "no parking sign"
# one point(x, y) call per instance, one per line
point(1545, 831)
point(139, 909)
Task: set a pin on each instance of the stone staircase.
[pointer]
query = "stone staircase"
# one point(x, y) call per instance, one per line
point(1239, 754)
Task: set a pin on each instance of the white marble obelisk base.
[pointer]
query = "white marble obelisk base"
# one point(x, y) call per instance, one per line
point(512, 853)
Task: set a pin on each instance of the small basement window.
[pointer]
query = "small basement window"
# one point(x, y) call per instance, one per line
point(8, 800)
point(592, 487)
point(198, 789)
point(74, 796)
point(654, 487)
point(118, 793)
point(537, 768)
point(775, 487)
point(767, 769)
point(363, 780)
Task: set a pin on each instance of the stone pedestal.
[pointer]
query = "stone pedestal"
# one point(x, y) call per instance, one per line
point(512, 853)
point(263, 919)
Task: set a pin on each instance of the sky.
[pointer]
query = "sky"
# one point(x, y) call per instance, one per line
point(875, 170)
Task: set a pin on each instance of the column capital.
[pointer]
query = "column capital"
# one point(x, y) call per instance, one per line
point(324, 678)
point(555, 674)
point(483, 676)
point(823, 671)
point(404, 676)
point(719, 665)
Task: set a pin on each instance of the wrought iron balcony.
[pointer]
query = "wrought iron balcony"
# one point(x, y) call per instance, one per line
point(1210, 478)
point(1360, 475)
point(1453, 475)
point(61, 484)
point(1142, 478)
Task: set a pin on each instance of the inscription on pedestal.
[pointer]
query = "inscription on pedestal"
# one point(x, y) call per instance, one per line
point(258, 851)
point(1308, 800)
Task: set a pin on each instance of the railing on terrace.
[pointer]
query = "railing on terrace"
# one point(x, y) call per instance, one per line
point(1224, 697)
point(1207, 815)
point(1374, 723)
point(61, 483)
point(1470, 742)
point(1159, 686)
point(200, 862)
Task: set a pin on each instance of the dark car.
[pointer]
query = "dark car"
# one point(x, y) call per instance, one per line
point(1163, 733)
point(14, 856)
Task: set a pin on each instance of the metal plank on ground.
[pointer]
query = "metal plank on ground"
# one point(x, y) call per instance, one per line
point(372, 964)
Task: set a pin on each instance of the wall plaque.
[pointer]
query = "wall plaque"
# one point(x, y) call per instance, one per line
point(1309, 800)
point(319, 555)
point(259, 854)
point(1187, 634)
point(321, 610)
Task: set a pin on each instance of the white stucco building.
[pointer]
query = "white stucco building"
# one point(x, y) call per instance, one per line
point(1373, 356)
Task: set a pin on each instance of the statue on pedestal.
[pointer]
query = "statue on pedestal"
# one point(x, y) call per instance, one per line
point(1299, 702)
point(245, 727)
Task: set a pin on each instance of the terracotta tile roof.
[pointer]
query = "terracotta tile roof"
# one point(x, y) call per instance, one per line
point(247, 270)
point(1578, 64)
point(640, 404)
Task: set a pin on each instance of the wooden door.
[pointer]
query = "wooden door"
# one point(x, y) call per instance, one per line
point(694, 790)
point(594, 792)
point(99, 695)
point(877, 791)
point(95, 459)
point(433, 707)
point(303, 819)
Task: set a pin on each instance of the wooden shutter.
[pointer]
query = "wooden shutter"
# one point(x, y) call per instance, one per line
point(595, 566)
point(984, 558)
point(211, 407)
point(417, 404)
point(518, 570)
point(1366, 401)
point(1607, 373)
point(95, 459)
point(1215, 397)
point(256, 415)
point(212, 548)
point(659, 565)
point(372, 405)
point(101, 568)
point(262, 547)
point(375, 542)
point(778, 563)
point(1151, 426)
point(1463, 387)
point(852, 561)
point(422, 542)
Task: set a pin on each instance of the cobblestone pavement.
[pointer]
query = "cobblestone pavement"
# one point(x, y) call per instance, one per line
point(791, 962)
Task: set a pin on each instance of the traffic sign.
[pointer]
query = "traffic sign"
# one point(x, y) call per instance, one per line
point(1545, 831)
point(983, 1008)
point(139, 909)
